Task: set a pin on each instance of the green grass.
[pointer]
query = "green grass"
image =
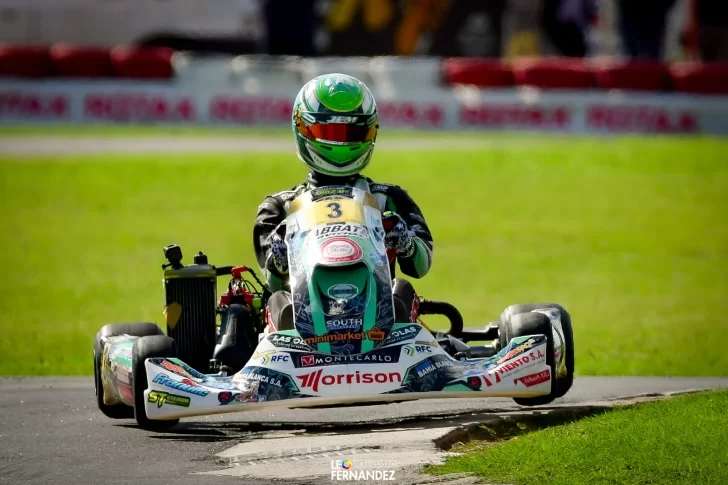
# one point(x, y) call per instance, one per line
point(678, 441)
point(630, 235)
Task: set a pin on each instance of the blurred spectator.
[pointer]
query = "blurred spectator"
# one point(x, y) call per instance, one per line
point(566, 23)
point(706, 36)
point(291, 27)
point(642, 25)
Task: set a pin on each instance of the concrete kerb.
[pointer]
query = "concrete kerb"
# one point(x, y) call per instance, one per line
point(298, 456)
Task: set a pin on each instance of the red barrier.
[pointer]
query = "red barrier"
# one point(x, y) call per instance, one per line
point(484, 73)
point(142, 62)
point(553, 73)
point(698, 78)
point(632, 75)
point(24, 61)
point(80, 61)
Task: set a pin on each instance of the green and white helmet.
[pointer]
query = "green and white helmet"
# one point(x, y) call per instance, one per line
point(335, 123)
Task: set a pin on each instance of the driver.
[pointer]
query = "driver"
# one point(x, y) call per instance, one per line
point(335, 123)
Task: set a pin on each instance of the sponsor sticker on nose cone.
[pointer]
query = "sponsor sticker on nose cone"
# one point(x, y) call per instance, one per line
point(340, 250)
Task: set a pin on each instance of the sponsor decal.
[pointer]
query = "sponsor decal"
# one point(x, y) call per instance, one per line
point(323, 359)
point(190, 383)
point(344, 323)
point(417, 349)
point(166, 381)
point(340, 250)
point(244, 110)
point(489, 383)
point(329, 191)
point(126, 393)
point(640, 118)
point(517, 350)
point(162, 398)
point(177, 369)
point(270, 356)
point(374, 334)
point(523, 360)
point(343, 230)
point(105, 359)
point(515, 115)
point(30, 105)
point(402, 333)
point(138, 107)
point(254, 376)
point(122, 375)
point(314, 379)
point(534, 379)
point(287, 341)
point(218, 384)
point(251, 395)
point(342, 291)
point(428, 366)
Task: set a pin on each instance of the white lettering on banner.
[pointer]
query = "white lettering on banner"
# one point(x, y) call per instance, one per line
point(138, 107)
point(650, 119)
point(515, 116)
point(34, 105)
point(250, 110)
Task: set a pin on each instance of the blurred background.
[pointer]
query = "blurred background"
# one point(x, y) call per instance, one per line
point(431, 63)
point(561, 150)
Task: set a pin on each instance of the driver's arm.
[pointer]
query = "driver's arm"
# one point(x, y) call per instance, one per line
point(270, 214)
point(417, 265)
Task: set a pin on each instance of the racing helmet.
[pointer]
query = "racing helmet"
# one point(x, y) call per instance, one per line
point(335, 123)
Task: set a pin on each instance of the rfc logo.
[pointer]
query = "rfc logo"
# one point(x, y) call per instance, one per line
point(411, 350)
point(270, 356)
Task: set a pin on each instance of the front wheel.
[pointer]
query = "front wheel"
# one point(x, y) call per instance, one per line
point(146, 348)
point(116, 411)
point(563, 370)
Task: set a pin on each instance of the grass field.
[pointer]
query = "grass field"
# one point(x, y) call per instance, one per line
point(679, 441)
point(631, 235)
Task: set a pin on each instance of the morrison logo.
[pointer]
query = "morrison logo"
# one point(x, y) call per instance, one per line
point(314, 379)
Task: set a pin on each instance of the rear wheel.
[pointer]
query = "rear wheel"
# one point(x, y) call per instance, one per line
point(146, 348)
point(116, 411)
point(561, 384)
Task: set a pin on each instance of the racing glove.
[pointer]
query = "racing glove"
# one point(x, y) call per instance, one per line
point(277, 262)
point(397, 235)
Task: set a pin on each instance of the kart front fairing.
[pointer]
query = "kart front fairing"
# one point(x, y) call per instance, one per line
point(286, 372)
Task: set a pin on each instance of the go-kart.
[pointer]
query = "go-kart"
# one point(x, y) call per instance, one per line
point(339, 343)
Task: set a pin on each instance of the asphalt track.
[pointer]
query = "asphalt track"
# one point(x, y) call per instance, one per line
point(52, 432)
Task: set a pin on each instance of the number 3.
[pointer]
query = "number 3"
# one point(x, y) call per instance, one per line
point(335, 210)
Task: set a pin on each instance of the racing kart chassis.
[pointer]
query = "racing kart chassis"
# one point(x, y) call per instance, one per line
point(343, 343)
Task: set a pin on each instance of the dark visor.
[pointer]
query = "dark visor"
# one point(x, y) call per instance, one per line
point(338, 132)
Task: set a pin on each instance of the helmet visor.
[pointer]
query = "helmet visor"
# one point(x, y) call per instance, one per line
point(338, 132)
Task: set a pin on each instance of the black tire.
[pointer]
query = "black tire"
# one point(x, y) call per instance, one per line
point(531, 324)
point(404, 300)
point(145, 348)
point(117, 411)
point(562, 384)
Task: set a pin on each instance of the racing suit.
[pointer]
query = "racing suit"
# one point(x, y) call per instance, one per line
point(272, 212)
